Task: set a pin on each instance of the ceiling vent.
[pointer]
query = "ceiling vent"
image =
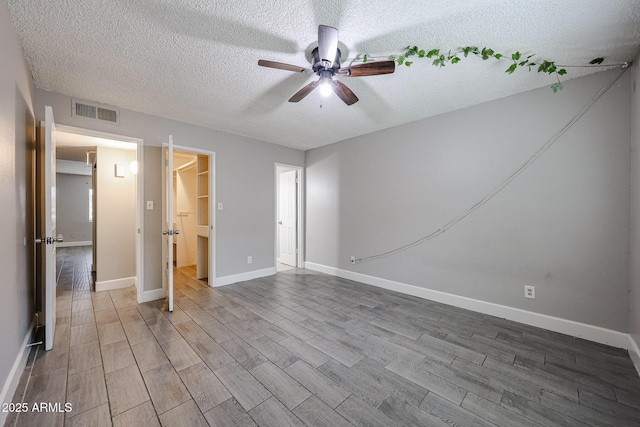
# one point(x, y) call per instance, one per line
point(95, 111)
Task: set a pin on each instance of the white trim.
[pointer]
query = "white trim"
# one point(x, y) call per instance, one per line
point(556, 324)
point(107, 285)
point(634, 353)
point(71, 244)
point(11, 384)
point(299, 213)
point(152, 295)
point(241, 277)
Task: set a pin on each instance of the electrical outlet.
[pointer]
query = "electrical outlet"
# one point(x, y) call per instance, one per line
point(249, 259)
point(353, 260)
point(530, 292)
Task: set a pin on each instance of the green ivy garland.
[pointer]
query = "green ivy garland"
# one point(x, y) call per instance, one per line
point(441, 59)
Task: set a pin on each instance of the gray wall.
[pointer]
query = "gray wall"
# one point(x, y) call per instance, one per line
point(244, 183)
point(72, 207)
point(561, 226)
point(115, 216)
point(16, 154)
point(634, 297)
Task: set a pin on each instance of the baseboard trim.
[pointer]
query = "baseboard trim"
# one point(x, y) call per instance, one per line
point(108, 285)
point(153, 295)
point(249, 275)
point(634, 352)
point(70, 244)
point(556, 324)
point(11, 384)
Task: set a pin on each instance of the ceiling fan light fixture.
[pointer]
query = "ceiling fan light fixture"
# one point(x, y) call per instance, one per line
point(326, 87)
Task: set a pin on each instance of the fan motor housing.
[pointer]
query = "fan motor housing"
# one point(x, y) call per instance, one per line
point(319, 66)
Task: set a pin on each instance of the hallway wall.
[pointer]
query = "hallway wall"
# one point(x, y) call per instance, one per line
point(17, 136)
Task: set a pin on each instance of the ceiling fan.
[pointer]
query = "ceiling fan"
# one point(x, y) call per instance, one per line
point(326, 64)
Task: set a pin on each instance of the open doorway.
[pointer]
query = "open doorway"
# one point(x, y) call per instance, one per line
point(192, 242)
point(99, 191)
point(289, 227)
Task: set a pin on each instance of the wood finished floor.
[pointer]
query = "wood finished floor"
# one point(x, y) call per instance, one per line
point(303, 348)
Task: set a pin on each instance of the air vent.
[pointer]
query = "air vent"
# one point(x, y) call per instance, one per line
point(92, 110)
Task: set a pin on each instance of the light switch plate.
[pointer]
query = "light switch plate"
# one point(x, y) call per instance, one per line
point(149, 205)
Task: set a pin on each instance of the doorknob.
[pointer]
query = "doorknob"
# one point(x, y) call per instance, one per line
point(176, 231)
point(51, 240)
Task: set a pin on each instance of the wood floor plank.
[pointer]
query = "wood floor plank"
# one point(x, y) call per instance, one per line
point(314, 412)
point(323, 387)
point(205, 388)
point(360, 413)
point(452, 413)
point(185, 414)
point(212, 354)
point(281, 385)
point(229, 414)
point(142, 415)
point(335, 350)
point(304, 351)
point(242, 385)
point(117, 356)
point(357, 383)
point(165, 388)
point(87, 389)
point(126, 389)
point(149, 355)
point(420, 375)
point(271, 413)
point(243, 353)
point(409, 415)
point(274, 352)
point(180, 354)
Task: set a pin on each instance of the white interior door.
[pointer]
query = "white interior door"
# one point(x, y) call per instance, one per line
point(287, 193)
point(168, 232)
point(49, 238)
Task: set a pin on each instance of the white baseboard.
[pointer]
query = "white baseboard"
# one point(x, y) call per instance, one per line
point(249, 275)
point(10, 385)
point(556, 324)
point(152, 295)
point(634, 352)
point(108, 285)
point(70, 244)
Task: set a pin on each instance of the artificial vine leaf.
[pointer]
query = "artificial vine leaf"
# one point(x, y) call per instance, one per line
point(562, 71)
point(433, 52)
point(365, 58)
point(408, 63)
point(400, 60)
point(421, 54)
point(498, 55)
point(512, 68)
point(515, 56)
point(455, 60)
point(596, 61)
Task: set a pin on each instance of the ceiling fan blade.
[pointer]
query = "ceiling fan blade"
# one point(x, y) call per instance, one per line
point(283, 66)
point(299, 95)
point(344, 92)
point(327, 44)
point(370, 69)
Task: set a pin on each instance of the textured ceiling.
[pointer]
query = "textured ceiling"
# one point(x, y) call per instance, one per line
point(196, 60)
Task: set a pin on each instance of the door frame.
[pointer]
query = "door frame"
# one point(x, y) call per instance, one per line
point(299, 213)
point(139, 194)
point(212, 213)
